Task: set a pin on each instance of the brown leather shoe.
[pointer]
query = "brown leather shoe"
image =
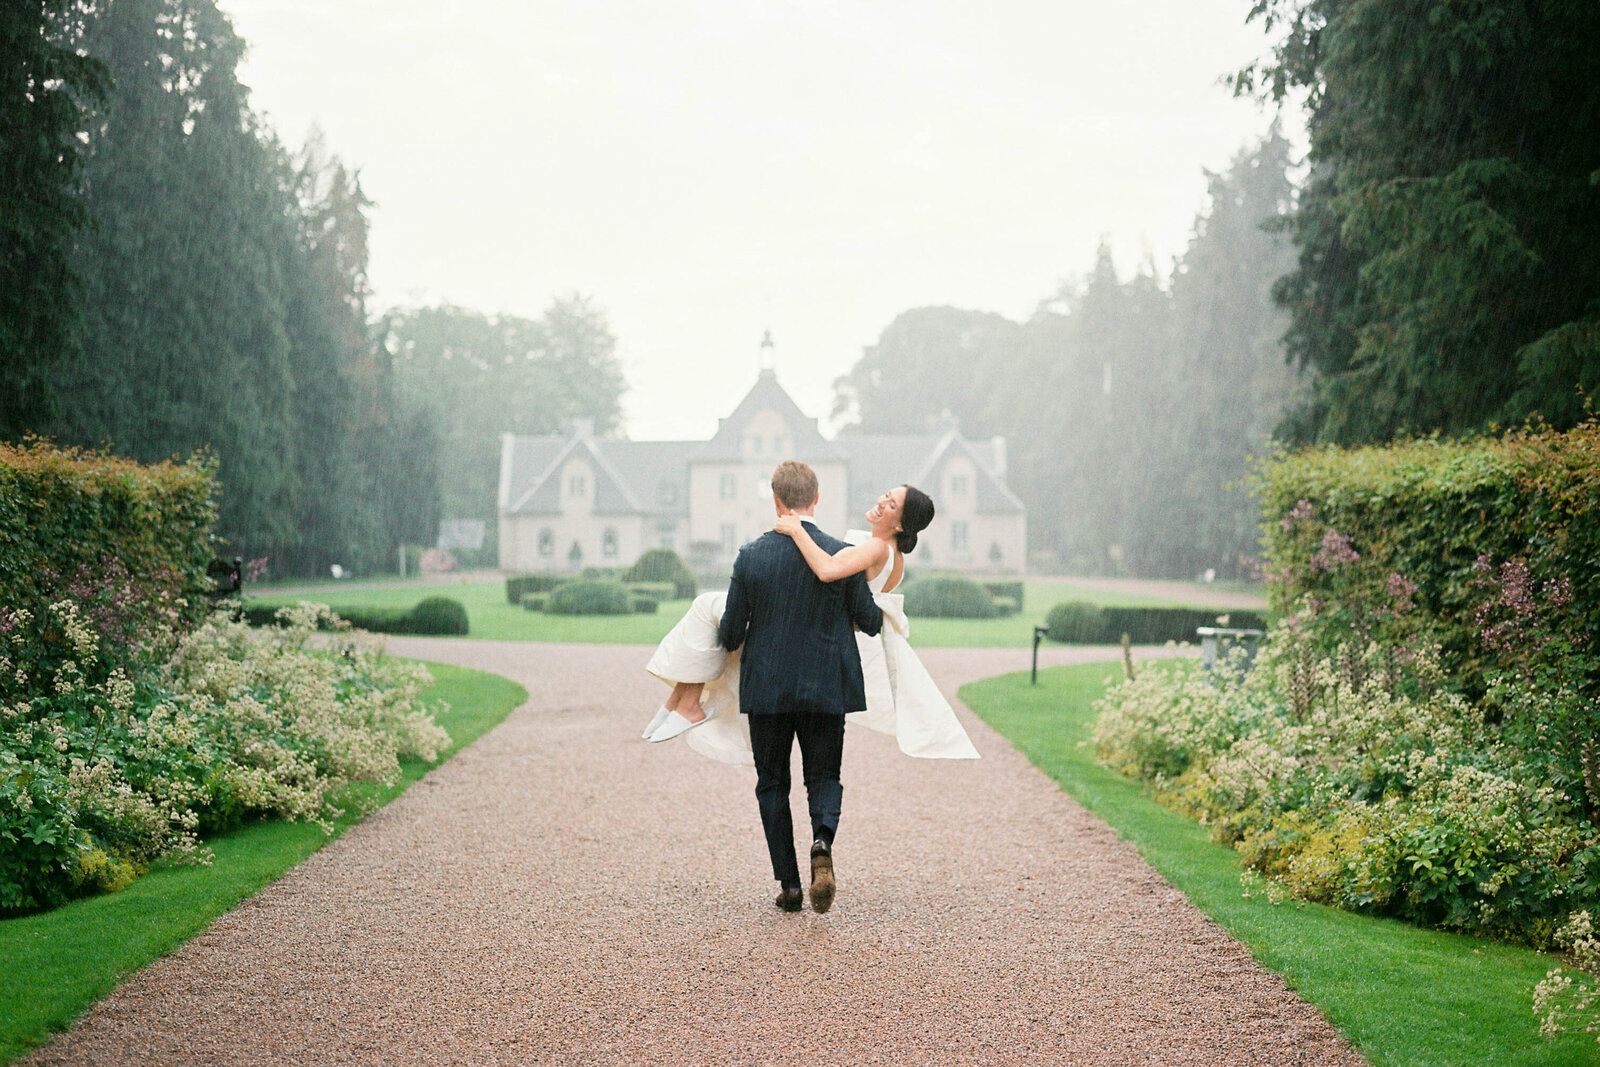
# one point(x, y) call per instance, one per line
point(790, 899)
point(822, 883)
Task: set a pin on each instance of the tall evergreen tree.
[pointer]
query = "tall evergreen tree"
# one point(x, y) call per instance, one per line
point(45, 86)
point(1449, 270)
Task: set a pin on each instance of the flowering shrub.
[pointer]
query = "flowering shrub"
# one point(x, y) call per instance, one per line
point(1562, 1001)
point(1420, 735)
point(103, 772)
point(1363, 781)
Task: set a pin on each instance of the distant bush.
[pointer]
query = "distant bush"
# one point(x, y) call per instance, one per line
point(644, 605)
point(1005, 606)
point(1079, 623)
point(664, 565)
point(1012, 590)
point(522, 584)
point(438, 615)
point(590, 598)
point(435, 617)
point(534, 601)
point(654, 590)
point(948, 596)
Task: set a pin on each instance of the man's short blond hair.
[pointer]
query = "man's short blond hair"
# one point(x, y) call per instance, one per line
point(795, 484)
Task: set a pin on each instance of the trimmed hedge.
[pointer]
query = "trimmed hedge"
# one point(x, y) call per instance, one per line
point(1337, 524)
point(74, 517)
point(436, 616)
point(948, 596)
point(585, 597)
point(1009, 590)
point(663, 565)
point(522, 584)
point(1076, 622)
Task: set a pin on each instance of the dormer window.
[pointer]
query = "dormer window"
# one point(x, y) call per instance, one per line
point(577, 485)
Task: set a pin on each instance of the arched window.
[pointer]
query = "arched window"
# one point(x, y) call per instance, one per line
point(547, 542)
point(608, 541)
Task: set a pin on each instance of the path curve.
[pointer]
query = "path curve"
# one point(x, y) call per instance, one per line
point(561, 892)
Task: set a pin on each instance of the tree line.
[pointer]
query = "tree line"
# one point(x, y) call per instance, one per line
point(176, 278)
point(1130, 407)
point(1436, 270)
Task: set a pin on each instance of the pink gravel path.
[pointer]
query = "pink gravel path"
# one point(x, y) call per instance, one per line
point(562, 892)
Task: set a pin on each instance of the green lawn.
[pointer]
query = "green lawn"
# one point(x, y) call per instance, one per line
point(59, 962)
point(1407, 997)
point(491, 618)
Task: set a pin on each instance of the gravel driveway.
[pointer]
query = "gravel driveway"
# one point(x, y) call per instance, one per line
point(562, 892)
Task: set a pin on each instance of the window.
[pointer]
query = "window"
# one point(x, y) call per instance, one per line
point(729, 538)
point(730, 487)
point(958, 537)
point(958, 485)
point(547, 542)
point(608, 541)
point(576, 485)
point(667, 494)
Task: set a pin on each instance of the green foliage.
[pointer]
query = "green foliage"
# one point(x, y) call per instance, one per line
point(128, 543)
point(439, 615)
point(434, 616)
point(1006, 606)
point(590, 597)
point(63, 960)
point(521, 585)
point(1123, 402)
point(1079, 623)
point(222, 298)
point(534, 601)
point(948, 596)
point(480, 377)
point(663, 565)
point(1399, 992)
point(103, 773)
point(45, 89)
point(1486, 548)
point(1012, 591)
point(1449, 270)
point(1075, 622)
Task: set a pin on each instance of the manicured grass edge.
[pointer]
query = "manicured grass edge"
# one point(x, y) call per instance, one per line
point(1404, 996)
point(60, 962)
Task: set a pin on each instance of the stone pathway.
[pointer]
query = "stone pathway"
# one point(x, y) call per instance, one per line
point(562, 892)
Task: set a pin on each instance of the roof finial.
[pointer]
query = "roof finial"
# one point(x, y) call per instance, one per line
point(766, 350)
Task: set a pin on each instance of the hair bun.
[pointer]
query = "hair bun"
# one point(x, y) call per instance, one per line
point(907, 542)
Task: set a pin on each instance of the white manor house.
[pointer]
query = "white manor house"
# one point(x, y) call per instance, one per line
point(574, 500)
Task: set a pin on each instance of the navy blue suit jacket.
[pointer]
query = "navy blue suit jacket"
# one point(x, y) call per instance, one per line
point(799, 642)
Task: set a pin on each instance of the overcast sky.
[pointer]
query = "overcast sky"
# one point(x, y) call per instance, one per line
point(709, 170)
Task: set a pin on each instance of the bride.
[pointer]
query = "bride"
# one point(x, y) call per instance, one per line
point(902, 698)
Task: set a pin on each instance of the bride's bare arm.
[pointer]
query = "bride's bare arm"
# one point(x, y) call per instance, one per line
point(851, 559)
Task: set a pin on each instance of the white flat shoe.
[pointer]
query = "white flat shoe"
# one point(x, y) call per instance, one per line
point(676, 724)
point(655, 722)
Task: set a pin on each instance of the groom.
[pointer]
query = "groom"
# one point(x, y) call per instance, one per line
point(799, 674)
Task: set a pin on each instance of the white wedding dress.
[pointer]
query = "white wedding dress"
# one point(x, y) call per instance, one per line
point(902, 699)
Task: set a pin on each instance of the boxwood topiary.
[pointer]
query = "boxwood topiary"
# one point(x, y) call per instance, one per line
point(1076, 622)
point(663, 565)
point(949, 596)
point(585, 597)
point(438, 615)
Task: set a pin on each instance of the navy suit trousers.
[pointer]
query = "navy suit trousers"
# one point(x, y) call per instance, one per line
point(821, 740)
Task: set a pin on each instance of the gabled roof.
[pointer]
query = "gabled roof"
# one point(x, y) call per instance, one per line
point(541, 495)
point(767, 395)
point(879, 462)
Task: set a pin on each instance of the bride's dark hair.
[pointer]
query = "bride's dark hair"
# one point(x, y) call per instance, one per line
point(915, 514)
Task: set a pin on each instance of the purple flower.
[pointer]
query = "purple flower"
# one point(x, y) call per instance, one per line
point(1335, 552)
point(1302, 511)
point(1401, 590)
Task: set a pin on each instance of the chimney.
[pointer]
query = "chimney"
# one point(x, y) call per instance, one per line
point(999, 446)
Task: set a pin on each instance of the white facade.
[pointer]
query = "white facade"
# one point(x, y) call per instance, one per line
point(572, 501)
